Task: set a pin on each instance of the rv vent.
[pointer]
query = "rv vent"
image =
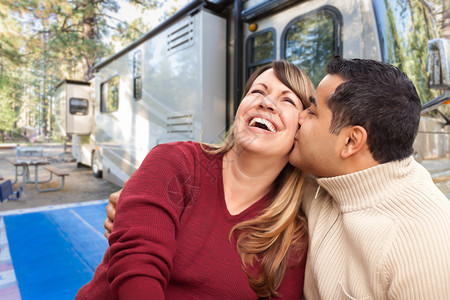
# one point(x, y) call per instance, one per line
point(181, 38)
point(180, 125)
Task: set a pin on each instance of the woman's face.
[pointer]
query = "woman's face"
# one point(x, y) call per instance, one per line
point(267, 118)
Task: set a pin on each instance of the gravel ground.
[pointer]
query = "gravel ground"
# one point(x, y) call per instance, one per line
point(79, 186)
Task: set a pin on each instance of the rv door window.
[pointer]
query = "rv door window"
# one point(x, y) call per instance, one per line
point(311, 40)
point(78, 106)
point(137, 77)
point(109, 95)
point(260, 49)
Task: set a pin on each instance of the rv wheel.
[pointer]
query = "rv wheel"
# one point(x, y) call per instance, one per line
point(96, 165)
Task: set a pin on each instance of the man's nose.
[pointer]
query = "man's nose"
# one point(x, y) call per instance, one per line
point(302, 117)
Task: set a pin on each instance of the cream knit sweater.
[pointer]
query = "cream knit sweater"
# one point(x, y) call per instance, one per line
point(382, 233)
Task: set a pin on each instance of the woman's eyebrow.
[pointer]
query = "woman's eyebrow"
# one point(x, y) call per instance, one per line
point(313, 100)
point(287, 92)
point(260, 83)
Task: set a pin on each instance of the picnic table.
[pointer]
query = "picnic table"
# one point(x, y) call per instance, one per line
point(27, 157)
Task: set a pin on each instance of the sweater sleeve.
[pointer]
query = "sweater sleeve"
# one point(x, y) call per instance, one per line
point(143, 241)
point(417, 265)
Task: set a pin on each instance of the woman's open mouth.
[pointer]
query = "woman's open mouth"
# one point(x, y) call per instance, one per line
point(263, 124)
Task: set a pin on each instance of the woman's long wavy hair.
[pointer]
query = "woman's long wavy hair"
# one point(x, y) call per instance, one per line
point(282, 225)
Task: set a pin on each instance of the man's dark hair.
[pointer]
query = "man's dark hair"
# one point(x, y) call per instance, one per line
point(380, 98)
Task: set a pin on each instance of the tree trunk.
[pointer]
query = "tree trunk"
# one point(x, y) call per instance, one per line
point(88, 36)
point(446, 21)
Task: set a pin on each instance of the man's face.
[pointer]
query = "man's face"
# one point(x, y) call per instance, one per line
point(316, 149)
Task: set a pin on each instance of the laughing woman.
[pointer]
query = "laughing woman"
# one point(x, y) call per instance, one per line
point(201, 221)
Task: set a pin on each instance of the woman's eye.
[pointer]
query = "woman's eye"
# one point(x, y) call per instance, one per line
point(258, 92)
point(290, 101)
point(309, 111)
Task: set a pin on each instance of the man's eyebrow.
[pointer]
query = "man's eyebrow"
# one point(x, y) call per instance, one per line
point(313, 100)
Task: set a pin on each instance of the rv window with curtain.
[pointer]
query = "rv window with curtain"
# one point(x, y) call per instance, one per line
point(311, 40)
point(260, 49)
point(137, 75)
point(78, 106)
point(109, 95)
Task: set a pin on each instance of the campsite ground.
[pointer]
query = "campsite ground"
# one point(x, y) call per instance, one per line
point(79, 186)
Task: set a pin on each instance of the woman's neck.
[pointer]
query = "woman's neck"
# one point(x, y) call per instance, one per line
point(247, 177)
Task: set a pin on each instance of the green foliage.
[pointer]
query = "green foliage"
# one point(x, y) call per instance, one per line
point(8, 114)
point(45, 41)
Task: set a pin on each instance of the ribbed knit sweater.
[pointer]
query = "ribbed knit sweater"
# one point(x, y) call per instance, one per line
point(171, 235)
point(382, 233)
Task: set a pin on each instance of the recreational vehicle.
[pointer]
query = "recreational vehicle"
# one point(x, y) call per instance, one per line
point(184, 79)
point(73, 110)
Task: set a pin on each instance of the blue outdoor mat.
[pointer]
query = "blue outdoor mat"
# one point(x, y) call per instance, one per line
point(50, 252)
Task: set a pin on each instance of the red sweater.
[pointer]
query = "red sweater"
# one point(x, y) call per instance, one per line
point(171, 235)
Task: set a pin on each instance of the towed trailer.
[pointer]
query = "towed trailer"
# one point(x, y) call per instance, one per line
point(184, 79)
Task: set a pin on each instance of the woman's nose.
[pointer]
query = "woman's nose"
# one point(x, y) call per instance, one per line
point(267, 103)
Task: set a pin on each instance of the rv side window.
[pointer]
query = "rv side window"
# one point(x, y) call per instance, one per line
point(109, 95)
point(404, 28)
point(311, 40)
point(260, 49)
point(78, 106)
point(137, 76)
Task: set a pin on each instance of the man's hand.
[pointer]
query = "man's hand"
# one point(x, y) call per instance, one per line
point(111, 212)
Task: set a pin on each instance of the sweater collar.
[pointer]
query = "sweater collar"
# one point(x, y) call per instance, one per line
point(363, 189)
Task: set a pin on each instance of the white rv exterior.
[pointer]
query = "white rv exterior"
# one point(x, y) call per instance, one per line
point(74, 99)
point(75, 116)
point(182, 75)
point(184, 79)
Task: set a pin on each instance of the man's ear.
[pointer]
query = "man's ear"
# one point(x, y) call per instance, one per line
point(356, 140)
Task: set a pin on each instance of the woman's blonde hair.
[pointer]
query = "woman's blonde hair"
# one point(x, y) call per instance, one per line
point(282, 225)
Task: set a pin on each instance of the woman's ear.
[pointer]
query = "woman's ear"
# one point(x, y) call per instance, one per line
point(356, 138)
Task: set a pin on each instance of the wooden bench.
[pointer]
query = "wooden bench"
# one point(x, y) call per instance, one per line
point(57, 172)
